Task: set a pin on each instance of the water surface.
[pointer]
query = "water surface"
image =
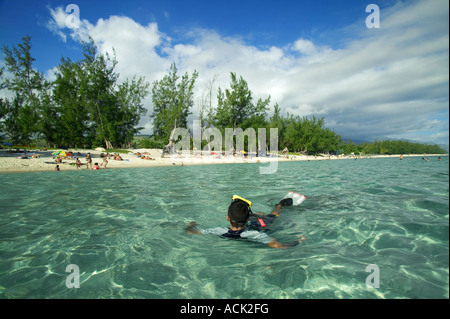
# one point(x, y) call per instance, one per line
point(125, 230)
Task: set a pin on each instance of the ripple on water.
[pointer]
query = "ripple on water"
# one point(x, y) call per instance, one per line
point(125, 229)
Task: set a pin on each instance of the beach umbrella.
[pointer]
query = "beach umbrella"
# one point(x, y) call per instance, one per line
point(61, 153)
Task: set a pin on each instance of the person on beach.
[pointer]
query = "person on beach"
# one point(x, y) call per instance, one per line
point(88, 160)
point(105, 162)
point(244, 224)
point(57, 168)
point(78, 163)
point(96, 167)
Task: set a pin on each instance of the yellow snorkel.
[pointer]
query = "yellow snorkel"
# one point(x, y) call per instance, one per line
point(242, 199)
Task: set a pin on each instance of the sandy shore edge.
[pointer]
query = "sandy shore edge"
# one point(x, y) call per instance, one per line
point(45, 161)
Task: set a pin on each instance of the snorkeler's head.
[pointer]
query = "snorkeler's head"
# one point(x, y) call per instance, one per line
point(239, 212)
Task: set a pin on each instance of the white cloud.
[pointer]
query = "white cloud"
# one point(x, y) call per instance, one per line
point(135, 45)
point(57, 22)
point(385, 82)
point(305, 47)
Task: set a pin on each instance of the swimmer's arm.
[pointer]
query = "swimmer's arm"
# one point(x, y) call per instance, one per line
point(276, 244)
point(260, 215)
point(192, 228)
point(275, 212)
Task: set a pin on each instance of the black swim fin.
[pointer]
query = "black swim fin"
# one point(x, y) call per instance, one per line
point(286, 202)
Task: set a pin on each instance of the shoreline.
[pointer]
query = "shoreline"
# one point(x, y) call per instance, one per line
point(44, 161)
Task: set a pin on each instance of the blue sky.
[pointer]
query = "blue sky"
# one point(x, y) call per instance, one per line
point(258, 22)
point(311, 57)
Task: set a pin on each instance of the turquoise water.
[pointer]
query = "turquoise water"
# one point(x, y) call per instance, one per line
point(125, 230)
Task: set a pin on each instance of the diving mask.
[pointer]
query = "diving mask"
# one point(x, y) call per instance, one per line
point(236, 197)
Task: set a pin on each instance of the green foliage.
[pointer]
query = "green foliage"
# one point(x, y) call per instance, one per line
point(236, 109)
point(84, 106)
point(151, 142)
point(20, 114)
point(399, 147)
point(307, 135)
point(172, 99)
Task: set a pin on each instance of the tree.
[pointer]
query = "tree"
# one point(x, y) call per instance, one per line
point(234, 105)
point(98, 89)
point(72, 114)
point(91, 107)
point(308, 135)
point(130, 108)
point(400, 147)
point(172, 99)
point(21, 113)
point(207, 113)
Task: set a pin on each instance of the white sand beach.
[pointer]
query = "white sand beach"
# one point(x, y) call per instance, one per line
point(44, 160)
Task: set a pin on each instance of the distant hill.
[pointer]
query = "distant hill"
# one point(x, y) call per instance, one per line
point(444, 146)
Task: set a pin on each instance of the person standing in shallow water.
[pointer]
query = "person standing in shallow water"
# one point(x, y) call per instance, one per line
point(88, 160)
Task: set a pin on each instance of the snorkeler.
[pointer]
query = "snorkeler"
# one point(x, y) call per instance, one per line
point(244, 224)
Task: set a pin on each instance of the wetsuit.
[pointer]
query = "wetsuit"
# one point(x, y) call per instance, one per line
point(261, 223)
point(246, 233)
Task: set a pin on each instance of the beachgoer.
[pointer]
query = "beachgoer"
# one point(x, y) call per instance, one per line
point(439, 158)
point(96, 166)
point(78, 163)
point(244, 224)
point(88, 160)
point(57, 168)
point(401, 157)
point(105, 162)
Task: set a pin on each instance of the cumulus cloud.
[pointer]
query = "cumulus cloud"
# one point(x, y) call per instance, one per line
point(305, 47)
point(388, 82)
point(58, 22)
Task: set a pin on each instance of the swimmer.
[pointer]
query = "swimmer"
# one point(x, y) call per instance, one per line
point(244, 224)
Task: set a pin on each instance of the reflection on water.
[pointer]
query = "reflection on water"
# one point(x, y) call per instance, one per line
point(125, 229)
